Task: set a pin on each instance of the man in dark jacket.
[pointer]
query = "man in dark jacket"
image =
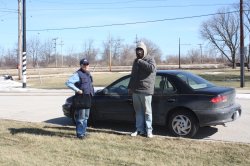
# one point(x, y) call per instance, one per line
point(81, 82)
point(141, 86)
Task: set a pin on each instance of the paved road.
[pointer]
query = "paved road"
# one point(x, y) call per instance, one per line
point(45, 106)
point(237, 131)
point(39, 106)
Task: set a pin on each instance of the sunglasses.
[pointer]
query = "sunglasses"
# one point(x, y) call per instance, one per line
point(85, 64)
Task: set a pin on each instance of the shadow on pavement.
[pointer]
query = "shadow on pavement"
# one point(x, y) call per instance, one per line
point(64, 121)
point(205, 132)
point(127, 128)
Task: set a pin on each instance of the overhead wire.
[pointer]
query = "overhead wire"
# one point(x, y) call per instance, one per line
point(140, 7)
point(131, 23)
point(99, 3)
point(128, 23)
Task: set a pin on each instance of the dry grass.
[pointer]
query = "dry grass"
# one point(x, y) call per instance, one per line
point(43, 144)
point(222, 77)
point(54, 78)
point(57, 81)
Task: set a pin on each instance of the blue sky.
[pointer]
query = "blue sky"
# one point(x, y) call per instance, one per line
point(79, 14)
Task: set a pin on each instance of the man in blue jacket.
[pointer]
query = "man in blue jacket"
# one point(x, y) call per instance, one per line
point(141, 86)
point(81, 82)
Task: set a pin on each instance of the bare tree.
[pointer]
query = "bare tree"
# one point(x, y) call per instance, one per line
point(46, 52)
point(222, 31)
point(72, 59)
point(127, 55)
point(114, 47)
point(153, 50)
point(194, 56)
point(172, 59)
point(10, 59)
point(117, 50)
point(247, 25)
point(247, 14)
point(89, 51)
point(33, 49)
point(1, 56)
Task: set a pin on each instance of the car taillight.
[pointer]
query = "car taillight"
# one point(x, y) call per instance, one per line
point(219, 99)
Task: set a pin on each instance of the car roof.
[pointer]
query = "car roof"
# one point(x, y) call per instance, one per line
point(171, 72)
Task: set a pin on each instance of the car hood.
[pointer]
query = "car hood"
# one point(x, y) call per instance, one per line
point(98, 88)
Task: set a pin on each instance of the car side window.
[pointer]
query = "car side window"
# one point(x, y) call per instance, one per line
point(194, 82)
point(163, 86)
point(120, 88)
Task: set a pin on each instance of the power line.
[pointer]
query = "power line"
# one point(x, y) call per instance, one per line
point(130, 23)
point(99, 3)
point(139, 7)
point(8, 10)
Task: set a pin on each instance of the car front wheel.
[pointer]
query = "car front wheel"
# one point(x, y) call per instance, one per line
point(183, 124)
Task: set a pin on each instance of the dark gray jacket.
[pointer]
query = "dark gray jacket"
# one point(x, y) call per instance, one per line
point(143, 75)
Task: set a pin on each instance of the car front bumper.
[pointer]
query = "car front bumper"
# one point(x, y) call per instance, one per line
point(66, 108)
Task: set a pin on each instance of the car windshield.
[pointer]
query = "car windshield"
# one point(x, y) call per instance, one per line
point(120, 87)
point(194, 81)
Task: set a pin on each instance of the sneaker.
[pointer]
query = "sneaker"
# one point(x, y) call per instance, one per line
point(81, 137)
point(134, 134)
point(150, 135)
point(86, 135)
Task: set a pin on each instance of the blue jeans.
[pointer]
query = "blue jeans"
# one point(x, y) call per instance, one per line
point(82, 116)
point(143, 112)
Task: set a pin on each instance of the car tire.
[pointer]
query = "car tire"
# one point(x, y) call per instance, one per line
point(183, 123)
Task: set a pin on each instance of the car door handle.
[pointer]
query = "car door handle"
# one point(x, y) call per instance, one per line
point(130, 101)
point(171, 100)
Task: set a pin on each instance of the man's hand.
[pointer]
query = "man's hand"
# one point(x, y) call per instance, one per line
point(79, 92)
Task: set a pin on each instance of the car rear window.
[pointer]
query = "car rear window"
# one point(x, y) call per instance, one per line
point(194, 81)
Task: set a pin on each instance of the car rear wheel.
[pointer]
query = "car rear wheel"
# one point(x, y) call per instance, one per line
point(183, 123)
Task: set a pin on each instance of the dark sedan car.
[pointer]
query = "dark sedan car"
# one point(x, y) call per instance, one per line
point(182, 101)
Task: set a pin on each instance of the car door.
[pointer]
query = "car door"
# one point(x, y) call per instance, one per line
point(165, 98)
point(114, 102)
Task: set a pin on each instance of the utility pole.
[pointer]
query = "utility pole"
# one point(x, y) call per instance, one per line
point(54, 39)
point(242, 63)
point(24, 44)
point(20, 37)
point(201, 52)
point(248, 58)
point(61, 44)
point(110, 53)
point(179, 53)
point(136, 39)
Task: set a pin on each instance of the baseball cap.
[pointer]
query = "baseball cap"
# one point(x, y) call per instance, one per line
point(84, 62)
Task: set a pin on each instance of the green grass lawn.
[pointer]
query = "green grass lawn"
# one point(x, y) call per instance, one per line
point(31, 144)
